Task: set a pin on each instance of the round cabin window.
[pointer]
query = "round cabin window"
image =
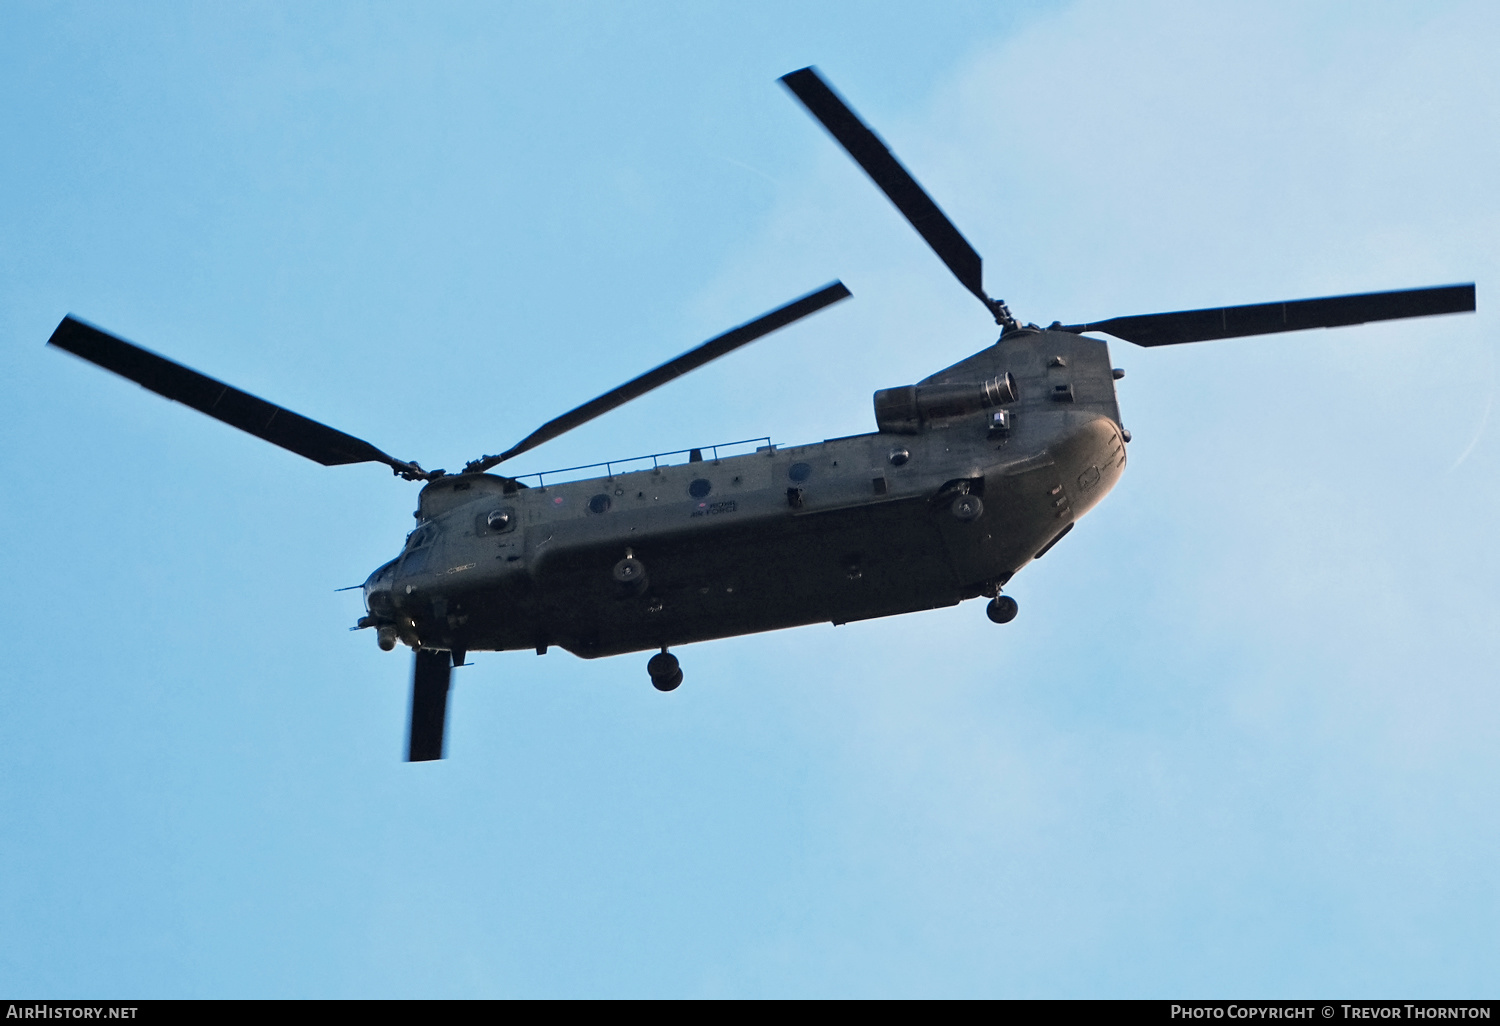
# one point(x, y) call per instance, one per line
point(599, 503)
point(799, 471)
point(699, 488)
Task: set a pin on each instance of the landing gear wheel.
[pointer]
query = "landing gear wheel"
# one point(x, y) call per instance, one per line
point(670, 684)
point(1002, 609)
point(967, 507)
point(630, 576)
point(665, 673)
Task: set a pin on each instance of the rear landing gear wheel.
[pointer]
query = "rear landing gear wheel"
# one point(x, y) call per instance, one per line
point(1002, 609)
point(967, 508)
point(665, 673)
point(630, 575)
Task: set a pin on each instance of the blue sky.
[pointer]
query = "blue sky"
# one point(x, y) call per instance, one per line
point(1241, 741)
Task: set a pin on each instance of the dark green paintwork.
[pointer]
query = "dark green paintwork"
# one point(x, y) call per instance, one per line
point(869, 539)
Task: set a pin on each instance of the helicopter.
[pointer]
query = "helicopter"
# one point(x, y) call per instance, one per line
point(971, 474)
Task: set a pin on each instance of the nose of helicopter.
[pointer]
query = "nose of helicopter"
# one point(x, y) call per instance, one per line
point(382, 610)
point(377, 591)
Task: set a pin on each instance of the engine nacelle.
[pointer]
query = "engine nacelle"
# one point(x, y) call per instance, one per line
point(906, 410)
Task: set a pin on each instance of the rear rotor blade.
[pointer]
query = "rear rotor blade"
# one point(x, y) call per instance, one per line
point(1165, 329)
point(690, 360)
point(275, 424)
point(872, 154)
point(429, 705)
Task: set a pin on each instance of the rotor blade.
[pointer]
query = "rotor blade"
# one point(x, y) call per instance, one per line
point(1165, 329)
point(275, 424)
point(429, 705)
point(690, 360)
point(872, 154)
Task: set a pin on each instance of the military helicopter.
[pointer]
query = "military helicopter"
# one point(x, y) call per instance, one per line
point(971, 474)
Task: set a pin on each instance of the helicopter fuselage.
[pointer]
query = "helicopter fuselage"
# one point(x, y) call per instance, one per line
point(977, 470)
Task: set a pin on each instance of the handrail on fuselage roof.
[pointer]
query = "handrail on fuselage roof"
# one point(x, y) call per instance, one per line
point(655, 458)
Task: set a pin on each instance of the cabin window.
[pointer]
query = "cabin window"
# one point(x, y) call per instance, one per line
point(799, 471)
point(600, 503)
point(699, 488)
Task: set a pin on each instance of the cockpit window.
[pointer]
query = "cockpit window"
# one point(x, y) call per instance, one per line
point(381, 577)
point(415, 561)
point(421, 536)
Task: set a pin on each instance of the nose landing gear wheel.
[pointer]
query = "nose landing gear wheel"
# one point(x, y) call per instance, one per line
point(665, 673)
point(1002, 609)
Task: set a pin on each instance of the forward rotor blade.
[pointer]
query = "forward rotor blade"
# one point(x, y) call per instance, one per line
point(429, 705)
point(690, 360)
point(275, 424)
point(872, 154)
point(1165, 329)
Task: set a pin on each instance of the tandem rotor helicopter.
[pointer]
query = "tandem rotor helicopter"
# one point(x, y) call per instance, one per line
point(972, 473)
